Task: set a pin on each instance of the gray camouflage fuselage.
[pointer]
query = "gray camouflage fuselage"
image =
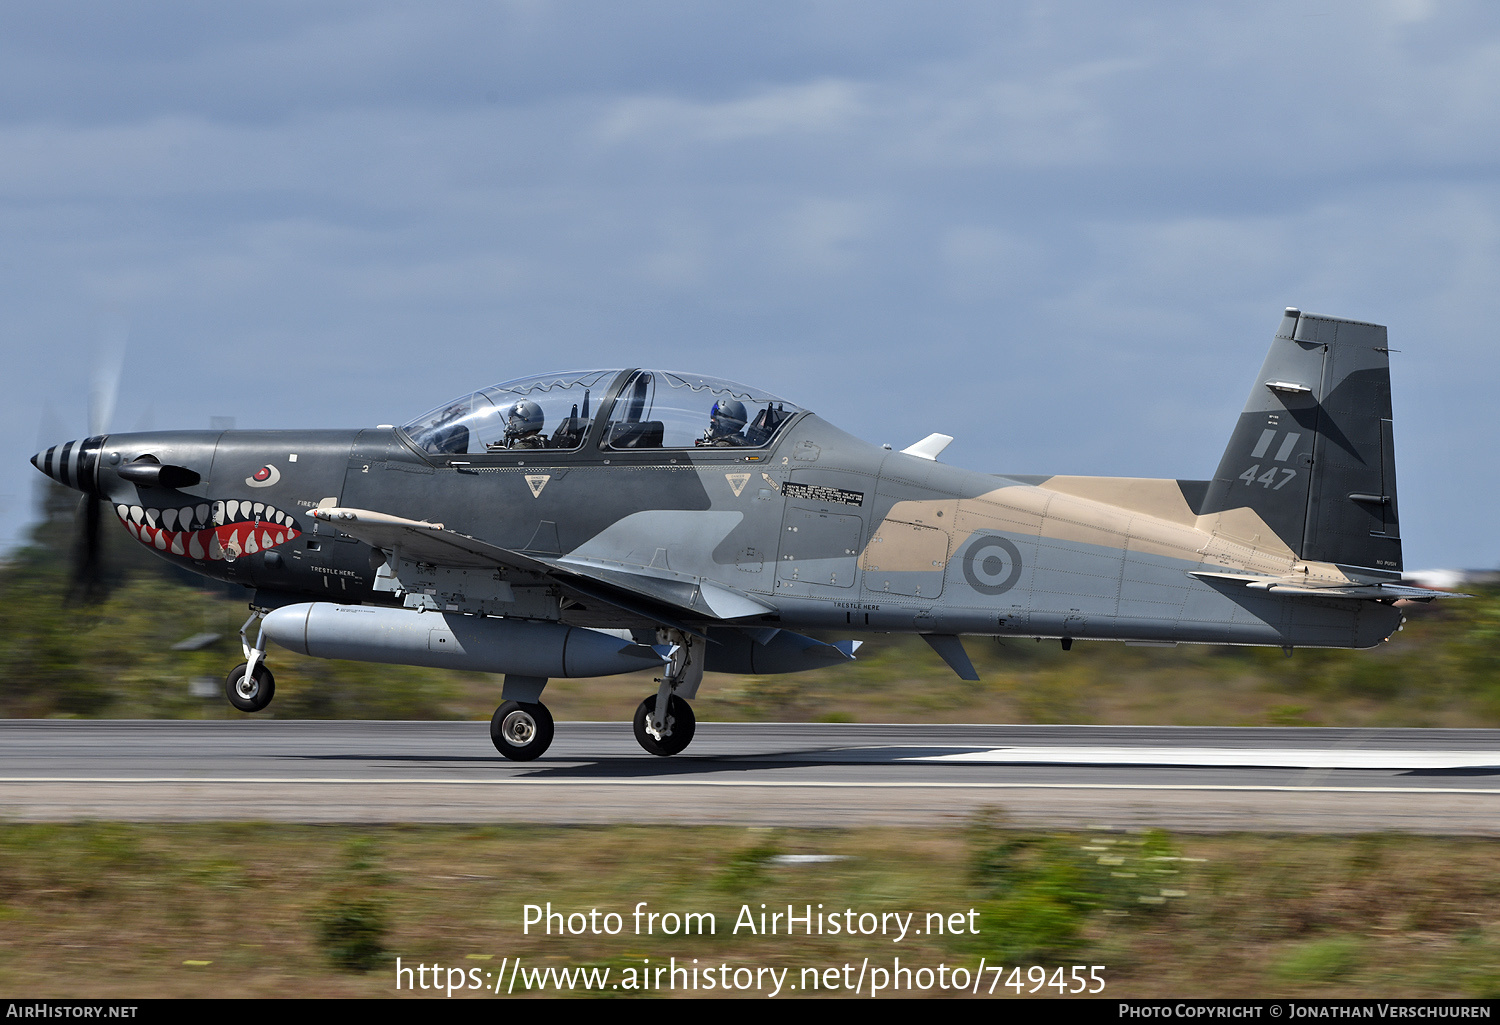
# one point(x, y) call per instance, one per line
point(1286, 546)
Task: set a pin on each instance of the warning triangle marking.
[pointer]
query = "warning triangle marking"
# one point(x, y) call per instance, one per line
point(737, 482)
point(536, 482)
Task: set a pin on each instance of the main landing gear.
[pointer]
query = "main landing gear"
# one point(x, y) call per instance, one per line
point(521, 730)
point(250, 685)
point(664, 722)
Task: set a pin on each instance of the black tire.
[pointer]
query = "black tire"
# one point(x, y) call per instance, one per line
point(521, 730)
point(681, 724)
point(253, 694)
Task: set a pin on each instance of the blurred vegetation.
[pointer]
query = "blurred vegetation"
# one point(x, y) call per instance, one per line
point(115, 659)
point(353, 920)
point(1039, 892)
point(274, 909)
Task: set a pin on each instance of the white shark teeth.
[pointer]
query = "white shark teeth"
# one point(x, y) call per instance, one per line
point(169, 519)
point(202, 514)
point(137, 513)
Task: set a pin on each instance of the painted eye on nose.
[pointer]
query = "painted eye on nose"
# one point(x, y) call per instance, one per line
point(264, 477)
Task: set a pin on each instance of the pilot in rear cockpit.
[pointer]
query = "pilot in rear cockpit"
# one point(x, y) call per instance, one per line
point(726, 425)
point(523, 427)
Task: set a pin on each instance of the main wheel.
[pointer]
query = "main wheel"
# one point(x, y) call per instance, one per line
point(250, 693)
point(680, 725)
point(521, 730)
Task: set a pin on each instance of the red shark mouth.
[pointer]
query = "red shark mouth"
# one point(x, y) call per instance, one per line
point(210, 531)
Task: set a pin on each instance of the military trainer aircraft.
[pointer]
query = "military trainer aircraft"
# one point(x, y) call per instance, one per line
point(600, 522)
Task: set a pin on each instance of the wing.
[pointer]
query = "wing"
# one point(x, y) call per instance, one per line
point(661, 596)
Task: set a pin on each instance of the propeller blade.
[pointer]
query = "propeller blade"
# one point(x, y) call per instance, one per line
point(88, 583)
point(104, 388)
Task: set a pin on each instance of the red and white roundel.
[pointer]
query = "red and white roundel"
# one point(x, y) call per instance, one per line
point(264, 477)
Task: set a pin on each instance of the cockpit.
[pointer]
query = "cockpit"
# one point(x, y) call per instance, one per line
point(614, 409)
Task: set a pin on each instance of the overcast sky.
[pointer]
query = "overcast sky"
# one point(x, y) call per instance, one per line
point(1061, 232)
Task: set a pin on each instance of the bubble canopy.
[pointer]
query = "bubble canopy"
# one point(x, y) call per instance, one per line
point(623, 409)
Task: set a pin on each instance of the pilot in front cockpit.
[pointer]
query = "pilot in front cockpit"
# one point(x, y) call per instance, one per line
point(726, 425)
point(523, 427)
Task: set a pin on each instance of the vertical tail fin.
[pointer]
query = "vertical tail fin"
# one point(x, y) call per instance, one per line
point(1312, 453)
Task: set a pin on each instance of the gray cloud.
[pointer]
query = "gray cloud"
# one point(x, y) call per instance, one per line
point(1061, 232)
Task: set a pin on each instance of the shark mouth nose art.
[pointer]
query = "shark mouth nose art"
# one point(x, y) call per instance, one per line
point(210, 530)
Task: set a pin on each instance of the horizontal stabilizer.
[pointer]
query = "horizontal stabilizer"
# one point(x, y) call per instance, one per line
point(1301, 587)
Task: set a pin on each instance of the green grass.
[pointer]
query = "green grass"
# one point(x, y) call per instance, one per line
point(121, 910)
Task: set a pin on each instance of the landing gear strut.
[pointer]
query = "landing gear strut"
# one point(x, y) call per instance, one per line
point(250, 685)
point(664, 722)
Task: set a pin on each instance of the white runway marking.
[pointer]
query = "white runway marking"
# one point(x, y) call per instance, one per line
point(739, 784)
point(1291, 758)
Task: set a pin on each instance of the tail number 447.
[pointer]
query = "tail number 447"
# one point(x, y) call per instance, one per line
point(1268, 479)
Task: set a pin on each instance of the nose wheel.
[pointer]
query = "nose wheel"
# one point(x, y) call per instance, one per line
point(675, 732)
point(250, 690)
point(664, 722)
point(521, 730)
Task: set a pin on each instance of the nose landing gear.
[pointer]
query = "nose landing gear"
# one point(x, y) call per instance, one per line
point(250, 685)
point(675, 734)
point(664, 722)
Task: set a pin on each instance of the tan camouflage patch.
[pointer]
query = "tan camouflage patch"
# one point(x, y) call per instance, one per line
point(1131, 514)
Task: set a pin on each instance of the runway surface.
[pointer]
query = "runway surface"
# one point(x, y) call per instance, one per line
point(1185, 778)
